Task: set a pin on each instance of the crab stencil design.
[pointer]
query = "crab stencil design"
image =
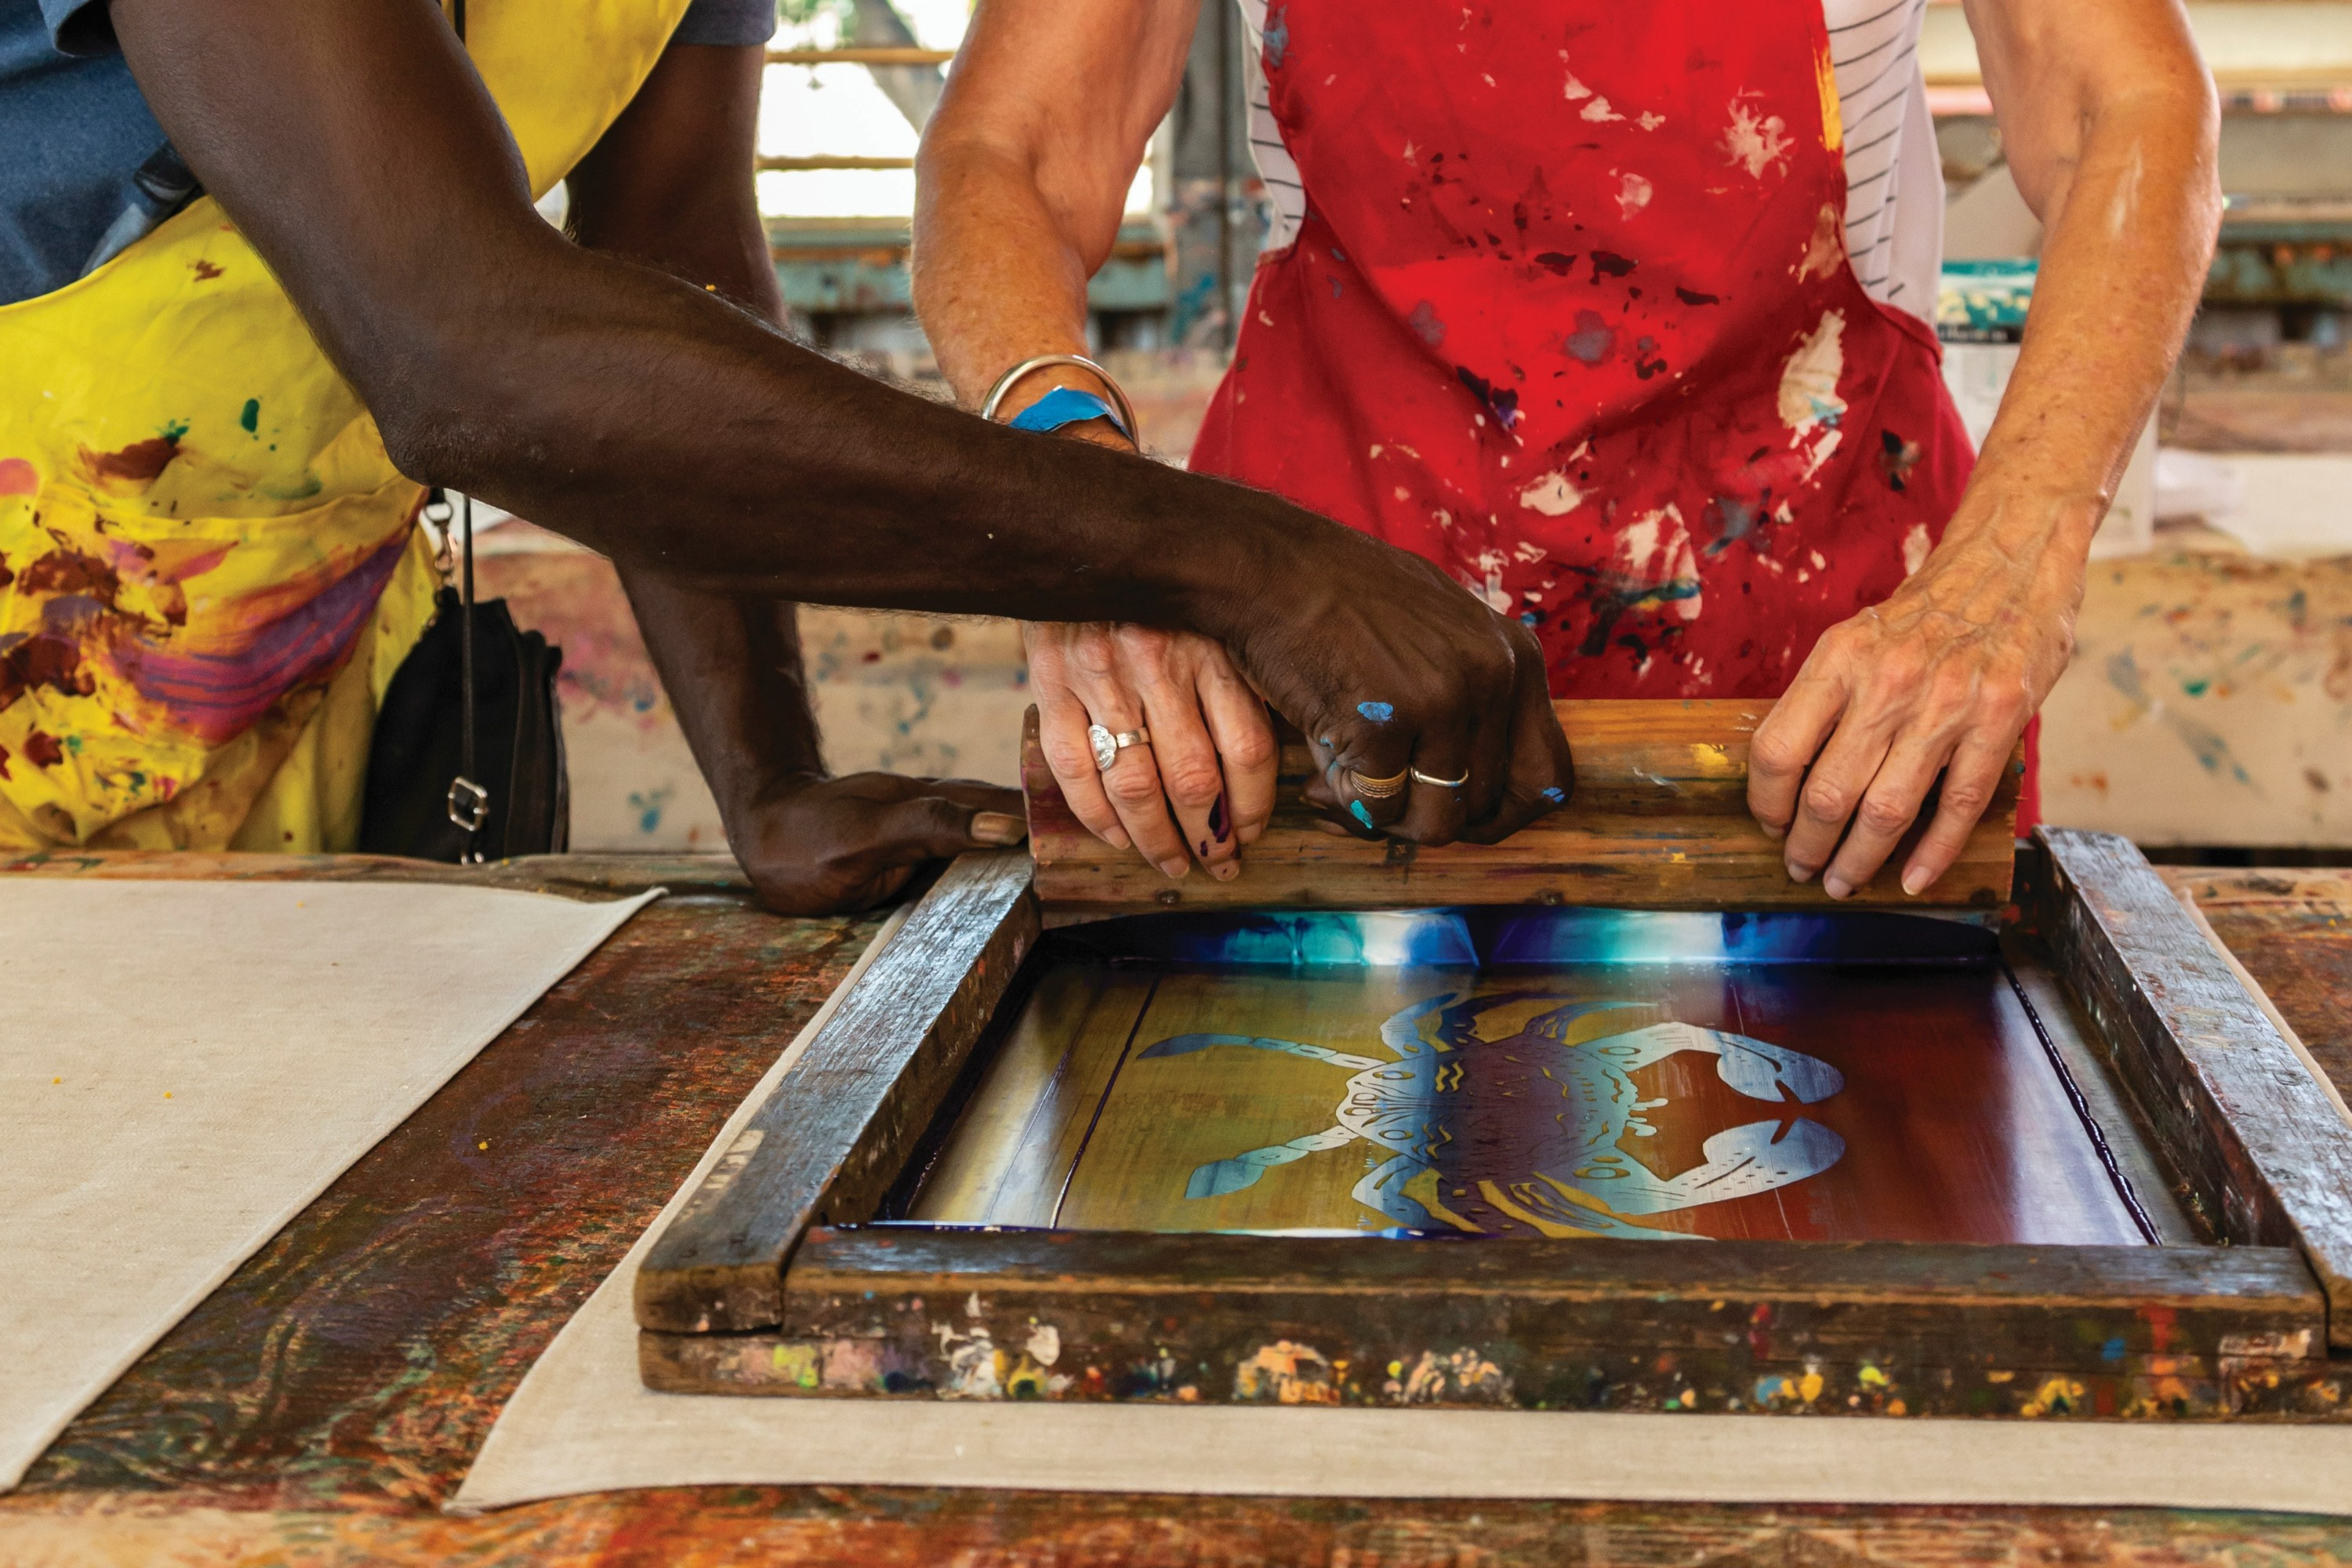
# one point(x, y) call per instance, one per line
point(1463, 1119)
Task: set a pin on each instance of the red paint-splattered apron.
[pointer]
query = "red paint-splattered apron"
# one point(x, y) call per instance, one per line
point(1570, 314)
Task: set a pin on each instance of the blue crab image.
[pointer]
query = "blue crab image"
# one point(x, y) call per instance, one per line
point(1470, 1148)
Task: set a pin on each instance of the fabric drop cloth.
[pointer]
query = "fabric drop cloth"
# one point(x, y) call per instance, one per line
point(184, 1065)
point(582, 1422)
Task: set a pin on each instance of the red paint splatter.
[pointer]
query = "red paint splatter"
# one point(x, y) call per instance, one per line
point(18, 478)
point(142, 461)
point(64, 571)
point(204, 270)
point(42, 750)
point(43, 660)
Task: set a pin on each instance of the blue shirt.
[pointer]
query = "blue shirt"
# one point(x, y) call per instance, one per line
point(76, 130)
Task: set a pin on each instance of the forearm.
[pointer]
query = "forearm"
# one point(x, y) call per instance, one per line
point(997, 278)
point(733, 670)
point(2129, 215)
point(658, 425)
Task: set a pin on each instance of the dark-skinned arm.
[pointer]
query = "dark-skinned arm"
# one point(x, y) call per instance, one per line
point(670, 185)
point(354, 144)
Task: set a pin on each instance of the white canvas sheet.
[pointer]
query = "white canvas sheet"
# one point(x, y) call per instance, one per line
point(582, 1422)
point(184, 1065)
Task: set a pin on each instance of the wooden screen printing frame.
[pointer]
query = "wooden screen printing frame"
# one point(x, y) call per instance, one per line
point(766, 1284)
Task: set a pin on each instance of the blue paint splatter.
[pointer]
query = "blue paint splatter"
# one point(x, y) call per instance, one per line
point(1378, 712)
point(648, 804)
point(2113, 1350)
point(1277, 37)
point(1553, 794)
point(1356, 809)
point(1592, 340)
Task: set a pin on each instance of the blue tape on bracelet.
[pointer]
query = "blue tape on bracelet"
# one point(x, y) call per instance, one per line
point(1067, 405)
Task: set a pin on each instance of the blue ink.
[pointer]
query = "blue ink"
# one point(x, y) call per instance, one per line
point(1378, 712)
point(1553, 794)
point(1356, 809)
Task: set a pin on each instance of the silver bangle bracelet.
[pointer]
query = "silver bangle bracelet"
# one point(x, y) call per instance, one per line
point(1006, 381)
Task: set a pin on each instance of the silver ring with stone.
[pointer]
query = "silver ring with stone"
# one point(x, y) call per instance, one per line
point(1107, 746)
point(1419, 777)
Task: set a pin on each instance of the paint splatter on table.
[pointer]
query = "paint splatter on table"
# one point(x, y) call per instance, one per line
point(321, 1405)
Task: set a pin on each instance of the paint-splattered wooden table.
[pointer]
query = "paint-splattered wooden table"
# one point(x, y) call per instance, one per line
point(321, 1405)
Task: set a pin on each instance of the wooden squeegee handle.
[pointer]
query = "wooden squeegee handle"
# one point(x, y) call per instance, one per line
point(1659, 820)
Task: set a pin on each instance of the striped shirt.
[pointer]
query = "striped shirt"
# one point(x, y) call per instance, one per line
point(1894, 175)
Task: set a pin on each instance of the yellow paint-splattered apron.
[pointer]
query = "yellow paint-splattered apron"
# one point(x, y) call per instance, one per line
point(209, 569)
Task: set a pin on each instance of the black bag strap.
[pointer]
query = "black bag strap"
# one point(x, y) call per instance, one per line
point(469, 802)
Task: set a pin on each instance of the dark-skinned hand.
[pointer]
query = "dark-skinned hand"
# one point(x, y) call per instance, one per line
point(818, 847)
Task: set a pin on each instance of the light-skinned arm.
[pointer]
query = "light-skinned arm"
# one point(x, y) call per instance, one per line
point(1024, 175)
point(2108, 118)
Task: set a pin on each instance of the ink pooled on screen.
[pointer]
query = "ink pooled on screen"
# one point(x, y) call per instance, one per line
point(1512, 1074)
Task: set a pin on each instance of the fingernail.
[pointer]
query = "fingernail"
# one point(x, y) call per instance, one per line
point(1799, 873)
point(1217, 824)
point(997, 828)
point(1916, 880)
point(1356, 809)
point(1224, 871)
point(1117, 839)
point(1772, 832)
point(1836, 886)
point(1174, 870)
point(1252, 835)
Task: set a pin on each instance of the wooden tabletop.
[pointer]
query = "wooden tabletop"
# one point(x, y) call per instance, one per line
point(320, 1406)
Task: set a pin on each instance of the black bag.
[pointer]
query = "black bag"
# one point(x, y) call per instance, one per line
point(427, 797)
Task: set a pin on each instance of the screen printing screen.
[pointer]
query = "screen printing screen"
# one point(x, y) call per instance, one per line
point(1501, 1074)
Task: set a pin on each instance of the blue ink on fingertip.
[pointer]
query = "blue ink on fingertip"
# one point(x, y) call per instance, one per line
point(1553, 794)
point(1356, 809)
point(1378, 712)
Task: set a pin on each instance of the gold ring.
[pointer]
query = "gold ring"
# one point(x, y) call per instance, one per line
point(1380, 789)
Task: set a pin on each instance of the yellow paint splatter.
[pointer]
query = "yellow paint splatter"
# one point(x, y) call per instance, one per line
point(483, 1144)
point(1832, 117)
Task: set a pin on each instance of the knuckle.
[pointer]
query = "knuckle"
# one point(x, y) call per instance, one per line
point(1144, 642)
point(1773, 754)
point(2008, 706)
point(1966, 797)
point(1251, 750)
point(1067, 757)
point(1094, 652)
point(1191, 781)
point(1826, 801)
point(1884, 814)
point(1132, 787)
